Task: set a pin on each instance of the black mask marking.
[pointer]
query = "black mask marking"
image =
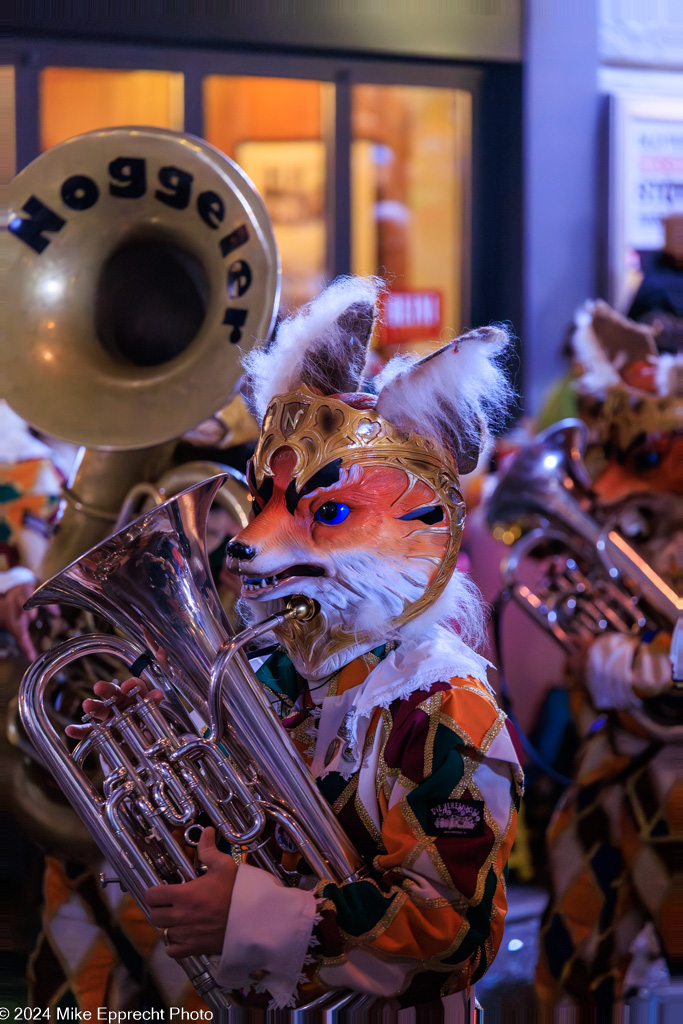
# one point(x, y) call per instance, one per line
point(431, 515)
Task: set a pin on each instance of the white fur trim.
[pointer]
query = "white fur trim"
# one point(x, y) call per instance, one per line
point(363, 600)
point(17, 443)
point(598, 372)
point(460, 389)
point(460, 603)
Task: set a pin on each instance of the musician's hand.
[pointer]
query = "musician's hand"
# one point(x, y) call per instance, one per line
point(105, 691)
point(16, 619)
point(193, 915)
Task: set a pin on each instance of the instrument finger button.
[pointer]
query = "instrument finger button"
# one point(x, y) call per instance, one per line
point(193, 834)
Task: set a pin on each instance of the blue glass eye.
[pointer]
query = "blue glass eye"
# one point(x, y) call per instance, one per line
point(647, 460)
point(332, 513)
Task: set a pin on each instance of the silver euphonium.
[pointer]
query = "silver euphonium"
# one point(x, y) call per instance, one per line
point(213, 750)
point(597, 581)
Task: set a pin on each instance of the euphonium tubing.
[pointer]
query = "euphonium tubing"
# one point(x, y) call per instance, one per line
point(227, 757)
point(547, 483)
point(143, 263)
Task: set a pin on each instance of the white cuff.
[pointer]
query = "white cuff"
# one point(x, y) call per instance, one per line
point(267, 937)
point(612, 674)
point(15, 577)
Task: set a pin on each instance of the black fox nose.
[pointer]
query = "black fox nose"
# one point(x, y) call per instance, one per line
point(243, 552)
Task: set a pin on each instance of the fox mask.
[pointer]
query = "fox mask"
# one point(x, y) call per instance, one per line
point(629, 395)
point(354, 483)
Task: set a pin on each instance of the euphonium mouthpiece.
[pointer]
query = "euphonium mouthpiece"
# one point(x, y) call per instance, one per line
point(303, 609)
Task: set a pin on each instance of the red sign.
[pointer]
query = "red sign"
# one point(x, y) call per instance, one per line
point(411, 316)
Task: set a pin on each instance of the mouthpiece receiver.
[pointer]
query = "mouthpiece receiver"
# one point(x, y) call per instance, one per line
point(303, 609)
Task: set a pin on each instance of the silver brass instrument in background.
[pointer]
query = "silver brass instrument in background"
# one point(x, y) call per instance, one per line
point(596, 580)
point(214, 749)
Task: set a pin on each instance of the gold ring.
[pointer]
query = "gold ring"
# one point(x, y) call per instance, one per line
point(167, 940)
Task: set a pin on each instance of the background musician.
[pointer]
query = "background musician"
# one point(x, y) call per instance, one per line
point(612, 928)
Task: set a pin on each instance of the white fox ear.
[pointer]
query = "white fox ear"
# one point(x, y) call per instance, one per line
point(604, 342)
point(324, 345)
point(336, 364)
point(455, 396)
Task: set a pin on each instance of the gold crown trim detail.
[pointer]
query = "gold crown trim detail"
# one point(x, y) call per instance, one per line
point(320, 429)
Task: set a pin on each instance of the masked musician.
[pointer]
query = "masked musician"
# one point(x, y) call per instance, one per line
point(613, 924)
point(357, 504)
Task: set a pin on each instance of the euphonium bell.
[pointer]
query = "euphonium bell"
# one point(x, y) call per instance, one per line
point(602, 582)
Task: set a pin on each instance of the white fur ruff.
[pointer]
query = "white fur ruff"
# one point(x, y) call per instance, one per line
point(368, 604)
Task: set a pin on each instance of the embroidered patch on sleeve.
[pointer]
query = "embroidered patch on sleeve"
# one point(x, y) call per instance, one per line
point(458, 818)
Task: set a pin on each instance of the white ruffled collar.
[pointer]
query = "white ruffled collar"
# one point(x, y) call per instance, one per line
point(437, 656)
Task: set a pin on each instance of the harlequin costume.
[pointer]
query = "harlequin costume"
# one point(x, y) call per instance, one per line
point(615, 844)
point(30, 485)
point(96, 948)
point(386, 701)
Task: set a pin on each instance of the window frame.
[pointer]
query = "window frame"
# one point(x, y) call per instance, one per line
point(30, 56)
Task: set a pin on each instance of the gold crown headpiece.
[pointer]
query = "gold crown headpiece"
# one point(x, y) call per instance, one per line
point(320, 429)
point(624, 413)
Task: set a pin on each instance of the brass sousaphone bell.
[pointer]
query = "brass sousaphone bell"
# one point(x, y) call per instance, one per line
point(143, 264)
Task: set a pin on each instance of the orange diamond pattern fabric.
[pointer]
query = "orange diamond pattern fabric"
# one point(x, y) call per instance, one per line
point(432, 810)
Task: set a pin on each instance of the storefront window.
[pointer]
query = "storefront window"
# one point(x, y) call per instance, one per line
point(8, 151)
point(411, 170)
point(277, 130)
point(76, 100)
